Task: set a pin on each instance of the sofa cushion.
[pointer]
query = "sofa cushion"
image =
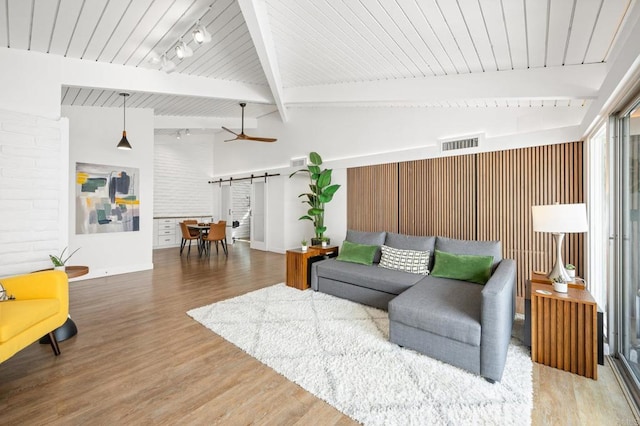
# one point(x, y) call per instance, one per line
point(478, 248)
point(412, 242)
point(369, 238)
point(465, 267)
point(386, 280)
point(357, 253)
point(441, 306)
point(17, 316)
point(413, 261)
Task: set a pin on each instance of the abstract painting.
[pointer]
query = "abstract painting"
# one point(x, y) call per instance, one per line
point(107, 199)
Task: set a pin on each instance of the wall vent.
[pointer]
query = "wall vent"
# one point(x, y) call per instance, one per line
point(460, 144)
point(299, 162)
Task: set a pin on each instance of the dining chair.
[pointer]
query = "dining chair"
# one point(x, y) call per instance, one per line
point(187, 236)
point(194, 232)
point(217, 233)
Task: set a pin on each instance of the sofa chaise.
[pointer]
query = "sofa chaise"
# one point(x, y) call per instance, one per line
point(462, 323)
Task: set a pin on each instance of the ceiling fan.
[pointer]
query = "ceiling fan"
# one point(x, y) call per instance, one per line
point(241, 136)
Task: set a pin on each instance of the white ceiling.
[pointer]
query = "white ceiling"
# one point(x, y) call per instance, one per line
point(302, 51)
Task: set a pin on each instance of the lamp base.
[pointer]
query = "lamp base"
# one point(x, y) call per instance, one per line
point(558, 270)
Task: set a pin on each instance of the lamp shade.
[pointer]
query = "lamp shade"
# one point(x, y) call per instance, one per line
point(560, 218)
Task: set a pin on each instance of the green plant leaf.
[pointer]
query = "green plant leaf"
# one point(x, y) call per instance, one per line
point(315, 158)
point(325, 178)
point(315, 212)
point(330, 190)
point(324, 198)
point(321, 230)
point(315, 170)
point(56, 260)
point(305, 217)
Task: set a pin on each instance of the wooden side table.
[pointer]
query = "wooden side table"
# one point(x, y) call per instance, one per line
point(299, 264)
point(564, 329)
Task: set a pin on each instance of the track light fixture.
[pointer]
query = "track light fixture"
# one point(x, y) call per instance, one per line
point(182, 50)
point(168, 65)
point(124, 143)
point(200, 34)
point(178, 135)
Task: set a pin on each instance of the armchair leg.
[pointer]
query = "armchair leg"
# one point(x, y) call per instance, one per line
point(182, 243)
point(54, 343)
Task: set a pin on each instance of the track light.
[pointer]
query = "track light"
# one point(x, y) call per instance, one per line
point(124, 143)
point(178, 136)
point(200, 34)
point(187, 132)
point(168, 66)
point(182, 50)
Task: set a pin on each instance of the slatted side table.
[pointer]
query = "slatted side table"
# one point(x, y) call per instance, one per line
point(299, 264)
point(564, 329)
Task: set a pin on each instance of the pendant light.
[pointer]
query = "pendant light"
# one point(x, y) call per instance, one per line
point(124, 143)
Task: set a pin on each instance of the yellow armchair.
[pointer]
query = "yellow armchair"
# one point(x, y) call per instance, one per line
point(41, 305)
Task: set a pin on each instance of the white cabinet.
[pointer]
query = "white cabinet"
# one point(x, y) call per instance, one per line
point(167, 232)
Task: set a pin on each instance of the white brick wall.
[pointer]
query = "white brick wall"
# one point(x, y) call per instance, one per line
point(182, 170)
point(31, 178)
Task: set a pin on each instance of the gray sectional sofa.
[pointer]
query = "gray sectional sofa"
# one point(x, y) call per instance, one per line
point(461, 323)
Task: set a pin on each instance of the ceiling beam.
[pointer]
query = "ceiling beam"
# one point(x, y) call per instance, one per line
point(183, 122)
point(257, 19)
point(99, 75)
point(567, 82)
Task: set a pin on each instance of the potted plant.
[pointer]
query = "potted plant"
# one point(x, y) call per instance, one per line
point(60, 261)
point(304, 245)
point(321, 192)
point(324, 241)
point(559, 284)
point(571, 270)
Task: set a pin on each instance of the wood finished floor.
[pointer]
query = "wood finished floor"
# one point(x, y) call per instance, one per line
point(139, 359)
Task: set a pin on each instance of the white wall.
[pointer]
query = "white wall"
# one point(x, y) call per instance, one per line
point(33, 191)
point(358, 136)
point(30, 83)
point(93, 135)
point(182, 170)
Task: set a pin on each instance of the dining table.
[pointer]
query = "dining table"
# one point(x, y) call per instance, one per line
point(203, 229)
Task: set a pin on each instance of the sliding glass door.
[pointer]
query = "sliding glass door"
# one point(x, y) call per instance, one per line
point(629, 133)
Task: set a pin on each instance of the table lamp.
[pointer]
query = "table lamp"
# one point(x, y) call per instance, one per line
point(559, 219)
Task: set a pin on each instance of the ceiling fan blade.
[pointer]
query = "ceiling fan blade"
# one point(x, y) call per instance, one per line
point(242, 136)
point(257, 139)
point(230, 131)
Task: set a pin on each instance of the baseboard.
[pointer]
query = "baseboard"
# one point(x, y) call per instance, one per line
point(105, 272)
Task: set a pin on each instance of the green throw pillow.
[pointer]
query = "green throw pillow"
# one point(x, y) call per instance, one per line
point(464, 267)
point(357, 253)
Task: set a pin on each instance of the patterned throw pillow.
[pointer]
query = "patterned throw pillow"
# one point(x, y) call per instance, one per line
point(414, 261)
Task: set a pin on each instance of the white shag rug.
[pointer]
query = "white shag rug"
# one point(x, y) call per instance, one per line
point(339, 351)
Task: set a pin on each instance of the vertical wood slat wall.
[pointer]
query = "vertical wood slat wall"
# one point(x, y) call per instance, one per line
point(486, 196)
point(372, 198)
point(512, 181)
point(430, 187)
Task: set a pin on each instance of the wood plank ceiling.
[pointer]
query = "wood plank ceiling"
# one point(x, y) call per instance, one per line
point(318, 42)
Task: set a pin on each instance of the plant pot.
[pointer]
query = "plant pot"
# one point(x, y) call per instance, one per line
point(304, 249)
point(571, 273)
point(560, 287)
point(323, 244)
point(318, 241)
point(58, 268)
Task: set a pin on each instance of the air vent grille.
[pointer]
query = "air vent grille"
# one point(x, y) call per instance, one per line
point(299, 162)
point(460, 144)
